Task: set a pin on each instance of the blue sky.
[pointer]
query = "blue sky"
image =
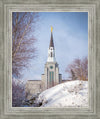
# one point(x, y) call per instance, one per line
point(70, 34)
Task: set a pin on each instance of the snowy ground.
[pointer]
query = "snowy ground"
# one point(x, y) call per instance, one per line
point(72, 93)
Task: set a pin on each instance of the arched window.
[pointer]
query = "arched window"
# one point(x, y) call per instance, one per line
point(51, 81)
point(51, 54)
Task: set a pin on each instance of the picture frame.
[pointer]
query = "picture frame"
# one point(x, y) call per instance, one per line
point(6, 9)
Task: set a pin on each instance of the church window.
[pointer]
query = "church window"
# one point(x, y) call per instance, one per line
point(51, 76)
point(51, 54)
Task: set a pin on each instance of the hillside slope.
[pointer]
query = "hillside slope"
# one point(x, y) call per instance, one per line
point(72, 93)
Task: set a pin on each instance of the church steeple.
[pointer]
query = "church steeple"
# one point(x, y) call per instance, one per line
point(51, 50)
point(51, 40)
point(51, 74)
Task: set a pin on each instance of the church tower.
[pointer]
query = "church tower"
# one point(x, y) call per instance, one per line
point(51, 74)
point(51, 50)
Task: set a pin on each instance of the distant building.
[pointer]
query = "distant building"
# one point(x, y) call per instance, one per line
point(51, 74)
point(32, 87)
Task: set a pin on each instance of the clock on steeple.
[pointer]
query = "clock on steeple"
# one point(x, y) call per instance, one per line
point(51, 67)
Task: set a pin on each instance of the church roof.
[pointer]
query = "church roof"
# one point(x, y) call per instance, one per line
point(51, 41)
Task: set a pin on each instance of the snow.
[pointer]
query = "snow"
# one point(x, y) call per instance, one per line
point(68, 94)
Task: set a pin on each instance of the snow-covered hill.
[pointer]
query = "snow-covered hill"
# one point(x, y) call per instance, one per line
point(72, 93)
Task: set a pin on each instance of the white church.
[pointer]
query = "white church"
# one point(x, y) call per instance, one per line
point(51, 76)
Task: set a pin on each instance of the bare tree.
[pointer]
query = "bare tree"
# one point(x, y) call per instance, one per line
point(78, 69)
point(18, 93)
point(23, 48)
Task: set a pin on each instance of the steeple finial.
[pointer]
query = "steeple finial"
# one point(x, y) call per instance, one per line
point(51, 28)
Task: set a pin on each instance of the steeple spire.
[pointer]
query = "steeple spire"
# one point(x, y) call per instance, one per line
point(51, 50)
point(51, 40)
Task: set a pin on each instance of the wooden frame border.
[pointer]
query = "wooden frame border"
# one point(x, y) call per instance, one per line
point(6, 9)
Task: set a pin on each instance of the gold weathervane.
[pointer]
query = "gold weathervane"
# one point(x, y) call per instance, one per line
point(51, 28)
